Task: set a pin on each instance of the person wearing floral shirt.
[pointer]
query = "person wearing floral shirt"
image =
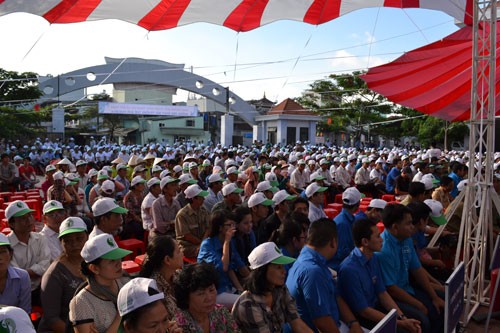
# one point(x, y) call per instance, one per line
point(195, 289)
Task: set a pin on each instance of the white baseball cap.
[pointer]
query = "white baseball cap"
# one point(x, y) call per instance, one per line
point(231, 188)
point(108, 186)
point(106, 205)
point(156, 168)
point(463, 183)
point(177, 168)
point(215, 177)
point(436, 211)
point(265, 186)
point(4, 240)
point(81, 162)
point(59, 175)
point(351, 196)
point(232, 170)
point(137, 180)
point(267, 253)
point(51, 206)
point(50, 168)
point(281, 196)
point(102, 246)
point(195, 191)
point(186, 178)
point(167, 180)
point(315, 176)
point(72, 225)
point(16, 209)
point(153, 181)
point(313, 188)
point(15, 319)
point(377, 203)
point(137, 293)
point(259, 199)
point(102, 174)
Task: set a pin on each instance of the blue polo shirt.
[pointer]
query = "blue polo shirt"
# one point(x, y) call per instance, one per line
point(360, 281)
point(211, 253)
point(456, 179)
point(360, 216)
point(390, 182)
point(345, 241)
point(396, 259)
point(310, 282)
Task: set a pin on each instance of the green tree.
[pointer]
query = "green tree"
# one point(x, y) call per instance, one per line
point(18, 88)
point(21, 124)
point(347, 103)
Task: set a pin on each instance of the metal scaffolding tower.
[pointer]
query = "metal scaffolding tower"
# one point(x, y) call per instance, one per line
point(480, 198)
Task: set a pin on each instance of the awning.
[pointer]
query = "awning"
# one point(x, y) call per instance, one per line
point(434, 79)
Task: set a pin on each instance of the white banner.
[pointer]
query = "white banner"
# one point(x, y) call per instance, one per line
point(148, 109)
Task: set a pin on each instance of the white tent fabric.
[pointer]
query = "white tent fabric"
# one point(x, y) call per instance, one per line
point(239, 15)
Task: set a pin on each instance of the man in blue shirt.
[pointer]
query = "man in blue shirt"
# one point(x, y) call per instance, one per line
point(311, 283)
point(457, 174)
point(351, 199)
point(395, 172)
point(397, 260)
point(360, 280)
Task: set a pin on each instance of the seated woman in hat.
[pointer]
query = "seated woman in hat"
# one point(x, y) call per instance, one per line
point(266, 304)
point(141, 307)
point(94, 306)
point(63, 276)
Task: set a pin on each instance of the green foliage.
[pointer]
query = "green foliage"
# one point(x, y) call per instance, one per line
point(19, 124)
point(346, 100)
point(18, 88)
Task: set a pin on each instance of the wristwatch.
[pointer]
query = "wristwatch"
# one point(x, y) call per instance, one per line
point(401, 317)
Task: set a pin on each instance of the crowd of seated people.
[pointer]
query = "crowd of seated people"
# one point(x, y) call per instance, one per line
point(233, 240)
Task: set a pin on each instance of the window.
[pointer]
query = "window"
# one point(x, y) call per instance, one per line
point(190, 123)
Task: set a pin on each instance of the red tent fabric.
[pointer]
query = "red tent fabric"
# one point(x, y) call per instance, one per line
point(434, 79)
point(239, 15)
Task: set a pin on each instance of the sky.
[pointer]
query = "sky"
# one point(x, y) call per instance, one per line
point(279, 60)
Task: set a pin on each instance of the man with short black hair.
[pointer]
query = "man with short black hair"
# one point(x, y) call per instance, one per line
point(351, 199)
point(311, 283)
point(398, 259)
point(360, 280)
point(108, 217)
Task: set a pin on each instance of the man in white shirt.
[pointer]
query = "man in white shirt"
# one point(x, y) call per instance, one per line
point(214, 191)
point(31, 251)
point(343, 177)
point(298, 178)
point(53, 215)
point(146, 213)
point(316, 196)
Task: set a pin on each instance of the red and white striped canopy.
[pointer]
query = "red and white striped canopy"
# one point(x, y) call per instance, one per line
point(435, 79)
point(239, 15)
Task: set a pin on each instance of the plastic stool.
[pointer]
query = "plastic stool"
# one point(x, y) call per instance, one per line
point(388, 197)
point(338, 198)
point(139, 259)
point(136, 246)
point(6, 231)
point(380, 227)
point(130, 267)
point(189, 260)
point(331, 213)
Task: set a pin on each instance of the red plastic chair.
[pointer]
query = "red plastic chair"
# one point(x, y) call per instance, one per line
point(335, 206)
point(6, 231)
point(388, 197)
point(139, 259)
point(35, 205)
point(2, 214)
point(17, 197)
point(331, 213)
point(136, 246)
point(6, 196)
point(130, 266)
point(363, 208)
point(381, 227)
point(189, 260)
point(338, 198)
